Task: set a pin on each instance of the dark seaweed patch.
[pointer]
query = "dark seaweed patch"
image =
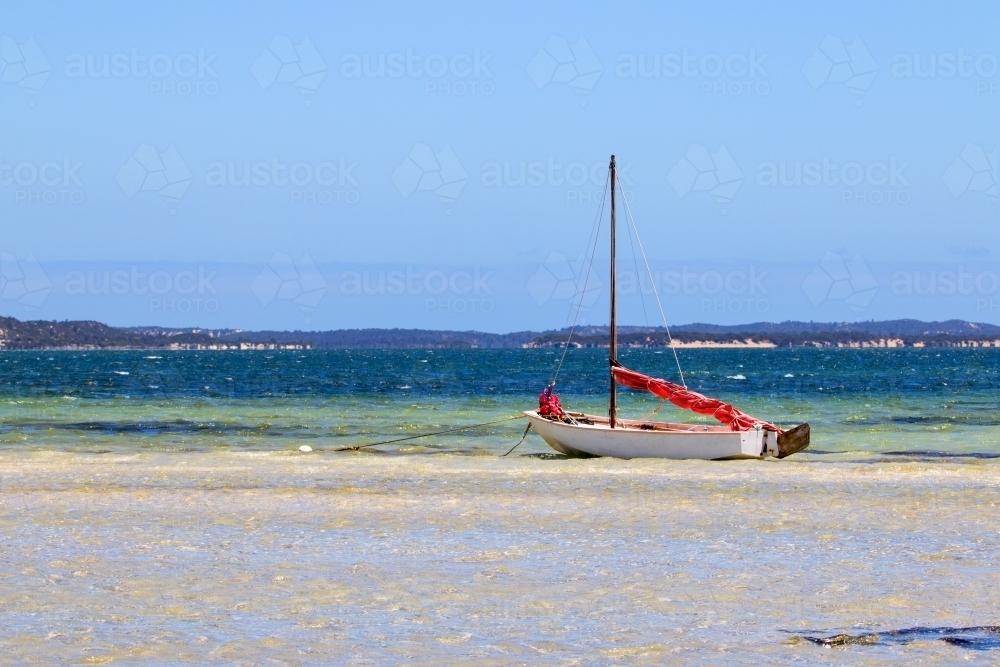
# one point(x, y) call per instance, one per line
point(979, 637)
point(928, 420)
point(177, 427)
point(930, 454)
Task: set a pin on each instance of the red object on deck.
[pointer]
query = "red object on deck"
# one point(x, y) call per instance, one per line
point(690, 400)
point(548, 404)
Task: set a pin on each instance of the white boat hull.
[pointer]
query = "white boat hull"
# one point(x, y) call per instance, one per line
point(632, 440)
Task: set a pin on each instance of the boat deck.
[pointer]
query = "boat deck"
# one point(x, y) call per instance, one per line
point(648, 425)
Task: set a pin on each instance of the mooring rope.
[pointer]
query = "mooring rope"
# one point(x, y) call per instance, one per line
point(427, 435)
point(523, 436)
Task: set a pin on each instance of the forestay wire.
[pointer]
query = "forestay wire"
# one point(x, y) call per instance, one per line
point(656, 293)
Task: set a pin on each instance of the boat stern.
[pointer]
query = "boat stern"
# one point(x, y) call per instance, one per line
point(792, 441)
point(761, 442)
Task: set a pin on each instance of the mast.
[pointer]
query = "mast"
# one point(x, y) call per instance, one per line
point(613, 353)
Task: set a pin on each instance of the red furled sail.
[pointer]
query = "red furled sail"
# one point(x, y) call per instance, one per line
point(690, 400)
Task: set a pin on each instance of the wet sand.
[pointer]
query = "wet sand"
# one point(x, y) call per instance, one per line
point(278, 558)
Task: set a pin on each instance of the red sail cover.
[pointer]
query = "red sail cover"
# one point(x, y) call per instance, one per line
point(690, 400)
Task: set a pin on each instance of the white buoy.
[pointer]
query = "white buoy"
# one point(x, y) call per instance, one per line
point(305, 448)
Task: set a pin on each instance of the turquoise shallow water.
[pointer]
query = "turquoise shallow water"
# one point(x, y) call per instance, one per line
point(930, 401)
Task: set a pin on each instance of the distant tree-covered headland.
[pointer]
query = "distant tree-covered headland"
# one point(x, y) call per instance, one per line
point(39, 334)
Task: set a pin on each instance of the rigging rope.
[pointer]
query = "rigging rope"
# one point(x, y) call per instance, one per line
point(649, 415)
point(656, 292)
point(635, 262)
point(586, 280)
point(595, 232)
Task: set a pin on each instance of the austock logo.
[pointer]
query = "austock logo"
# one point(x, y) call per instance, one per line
point(184, 291)
point(558, 279)
point(835, 279)
point(284, 62)
point(49, 182)
point(835, 62)
point(23, 65)
point(284, 279)
point(24, 282)
point(734, 74)
point(183, 74)
point(953, 282)
point(458, 74)
point(425, 170)
point(444, 291)
point(148, 170)
point(584, 183)
point(733, 291)
point(974, 170)
point(944, 282)
point(878, 182)
point(944, 65)
point(559, 62)
point(701, 171)
point(324, 182)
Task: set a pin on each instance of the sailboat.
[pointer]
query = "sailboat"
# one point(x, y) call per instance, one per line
point(738, 436)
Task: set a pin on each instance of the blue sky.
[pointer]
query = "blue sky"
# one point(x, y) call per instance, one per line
point(290, 165)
